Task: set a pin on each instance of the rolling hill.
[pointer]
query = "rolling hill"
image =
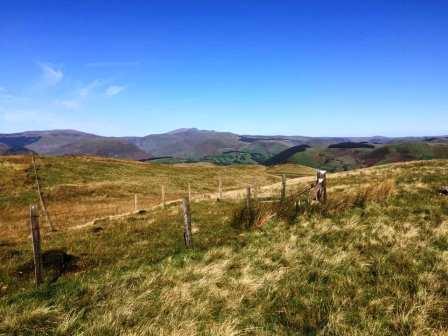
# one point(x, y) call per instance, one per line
point(3, 149)
point(102, 147)
point(337, 159)
point(191, 144)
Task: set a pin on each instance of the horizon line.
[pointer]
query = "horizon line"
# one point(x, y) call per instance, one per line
point(440, 134)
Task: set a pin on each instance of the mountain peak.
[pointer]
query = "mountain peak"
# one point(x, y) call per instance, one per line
point(184, 130)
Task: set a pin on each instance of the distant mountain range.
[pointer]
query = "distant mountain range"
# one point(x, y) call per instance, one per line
point(191, 144)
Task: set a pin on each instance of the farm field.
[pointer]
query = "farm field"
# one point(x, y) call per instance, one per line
point(372, 261)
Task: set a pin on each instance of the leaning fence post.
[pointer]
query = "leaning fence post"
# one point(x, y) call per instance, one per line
point(189, 193)
point(35, 236)
point(163, 197)
point(41, 198)
point(283, 193)
point(187, 222)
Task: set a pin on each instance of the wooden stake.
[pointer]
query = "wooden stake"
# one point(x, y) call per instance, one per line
point(41, 199)
point(163, 197)
point(187, 222)
point(249, 206)
point(135, 202)
point(248, 197)
point(283, 192)
point(189, 193)
point(255, 192)
point(35, 236)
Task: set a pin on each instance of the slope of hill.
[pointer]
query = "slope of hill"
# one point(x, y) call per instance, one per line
point(44, 142)
point(337, 159)
point(188, 143)
point(3, 148)
point(284, 156)
point(102, 147)
point(351, 145)
point(406, 152)
point(370, 262)
point(81, 188)
point(191, 144)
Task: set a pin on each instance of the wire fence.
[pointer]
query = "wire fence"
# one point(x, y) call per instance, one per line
point(66, 213)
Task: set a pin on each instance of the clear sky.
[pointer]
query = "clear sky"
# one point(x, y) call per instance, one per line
point(303, 67)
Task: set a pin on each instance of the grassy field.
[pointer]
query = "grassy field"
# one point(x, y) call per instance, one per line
point(79, 189)
point(373, 261)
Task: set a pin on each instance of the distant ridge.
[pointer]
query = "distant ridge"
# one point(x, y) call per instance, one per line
point(192, 144)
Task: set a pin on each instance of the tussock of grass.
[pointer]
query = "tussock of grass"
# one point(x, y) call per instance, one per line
point(254, 217)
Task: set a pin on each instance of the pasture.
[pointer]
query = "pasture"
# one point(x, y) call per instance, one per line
point(373, 260)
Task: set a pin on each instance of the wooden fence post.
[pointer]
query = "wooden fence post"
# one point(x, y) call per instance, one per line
point(187, 222)
point(255, 192)
point(37, 252)
point(248, 197)
point(249, 206)
point(283, 193)
point(189, 193)
point(41, 199)
point(321, 186)
point(163, 197)
point(135, 202)
point(220, 189)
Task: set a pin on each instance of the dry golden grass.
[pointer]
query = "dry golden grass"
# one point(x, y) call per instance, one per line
point(375, 265)
point(81, 189)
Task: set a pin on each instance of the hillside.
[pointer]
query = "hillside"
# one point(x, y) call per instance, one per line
point(44, 142)
point(187, 143)
point(3, 149)
point(191, 144)
point(102, 147)
point(370, 262)
point(103, 186)
point(351, 157)
point(284, 156)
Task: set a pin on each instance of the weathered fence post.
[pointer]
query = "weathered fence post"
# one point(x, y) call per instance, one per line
point(283, 193)
point(249, 206)
point(220, 189)
point(321, 186)
point(255, 191)
point(248, 197)
point(163, 197)
point(135, 202)
point(39, 193)
point(35, 236)
point(187, 222)
point(189, 193)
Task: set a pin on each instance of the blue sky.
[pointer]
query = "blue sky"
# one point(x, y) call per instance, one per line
point(304, 67)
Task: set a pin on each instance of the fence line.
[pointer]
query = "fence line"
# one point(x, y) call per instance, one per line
point(116, 207)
